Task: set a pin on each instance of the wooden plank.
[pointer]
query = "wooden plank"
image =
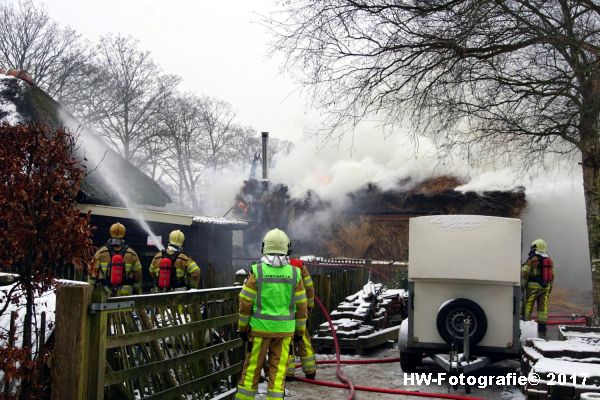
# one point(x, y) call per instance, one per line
point(177, 298)
point(327, 292)
point(155, 334)
point(69, 367)
point(378, 337)
point(196, 384)
point(226, 396)
point(97, 347)
point(157, 349)
point(199, 337)
point(115, 377)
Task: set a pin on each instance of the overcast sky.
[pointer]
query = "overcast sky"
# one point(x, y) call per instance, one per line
point(219, 48)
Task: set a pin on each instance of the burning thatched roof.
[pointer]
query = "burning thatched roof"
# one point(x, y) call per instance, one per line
point(437, 196)
point(21, 102)
point(304, 218)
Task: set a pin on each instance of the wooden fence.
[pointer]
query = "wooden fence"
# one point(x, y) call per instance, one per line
point(335, 279)
point(172, 345)
point(156, 346)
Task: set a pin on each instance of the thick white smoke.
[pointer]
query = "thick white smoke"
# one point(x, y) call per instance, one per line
point(368, 157)
point(555, 208)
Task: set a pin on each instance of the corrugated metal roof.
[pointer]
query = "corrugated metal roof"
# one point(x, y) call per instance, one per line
point(220, 221)
point(160, 216)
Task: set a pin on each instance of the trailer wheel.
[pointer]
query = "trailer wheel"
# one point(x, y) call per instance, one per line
point(450, 320)
point(409, 361)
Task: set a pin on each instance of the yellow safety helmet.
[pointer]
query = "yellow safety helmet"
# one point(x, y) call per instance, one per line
point(117, 231)
point(276, 242)
point(176, 237)
point(539, 245)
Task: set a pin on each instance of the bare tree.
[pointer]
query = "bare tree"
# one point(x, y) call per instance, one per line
point(519, 76)
point(181, 138)
point(245, 147)
point(128, 95)
point(217, 119)
point(55, 56)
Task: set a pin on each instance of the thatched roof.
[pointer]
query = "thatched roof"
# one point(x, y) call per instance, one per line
point(437, 196)
point(392, 208)
point(22, 102)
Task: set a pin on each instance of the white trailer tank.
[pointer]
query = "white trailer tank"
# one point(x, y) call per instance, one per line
point(464, 266)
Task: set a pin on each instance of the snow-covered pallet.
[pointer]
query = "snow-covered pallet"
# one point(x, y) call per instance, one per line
point(361, 321)
point(359, 344)
point(566, 368)
point(584, 334)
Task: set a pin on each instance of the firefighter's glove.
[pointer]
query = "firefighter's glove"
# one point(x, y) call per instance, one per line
point(297, 338)
point(244, 335)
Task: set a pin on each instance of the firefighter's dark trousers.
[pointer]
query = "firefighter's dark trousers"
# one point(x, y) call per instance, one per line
point(278, 351)
point(304, 350)
point(537, 294)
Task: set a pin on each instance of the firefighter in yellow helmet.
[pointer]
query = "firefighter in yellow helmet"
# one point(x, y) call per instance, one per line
point(172, 269)
point(303, 348)
point(272, 311)
point(116, 266)
point(537, 276)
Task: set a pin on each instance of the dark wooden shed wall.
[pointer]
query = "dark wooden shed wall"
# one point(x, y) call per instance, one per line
point(210, 245)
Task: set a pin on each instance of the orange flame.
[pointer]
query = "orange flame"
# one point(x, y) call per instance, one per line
point(244, 207)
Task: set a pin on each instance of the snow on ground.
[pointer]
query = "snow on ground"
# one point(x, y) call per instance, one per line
point(45, 302)
point(8, 110)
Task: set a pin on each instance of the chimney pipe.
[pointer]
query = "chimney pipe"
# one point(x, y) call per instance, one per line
point(265, 165)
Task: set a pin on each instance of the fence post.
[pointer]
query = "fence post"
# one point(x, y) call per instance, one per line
point(368, 265)
point(97, 347)
point(199, 337)
point(11, 342)
point(327, 292)
point(69, 366)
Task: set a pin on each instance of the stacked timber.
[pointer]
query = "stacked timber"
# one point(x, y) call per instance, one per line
point(566, 368)
point(365, 319)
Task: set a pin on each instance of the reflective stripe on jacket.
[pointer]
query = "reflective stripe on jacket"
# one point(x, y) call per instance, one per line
point(132, 275)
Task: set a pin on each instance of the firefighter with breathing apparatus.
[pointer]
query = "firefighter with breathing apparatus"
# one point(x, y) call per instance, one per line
point(116, 266)
point(272, 311)
point(537, 276)
point(172, 269)
point(303, 348)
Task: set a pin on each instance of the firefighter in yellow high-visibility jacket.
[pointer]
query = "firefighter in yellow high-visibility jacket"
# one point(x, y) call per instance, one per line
point(303, 348)
point(180, 272)
point(537, 277)
point(272, 311)
point(116, 266)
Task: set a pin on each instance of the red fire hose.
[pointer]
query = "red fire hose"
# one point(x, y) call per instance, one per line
point(576, 321)
point(347, 383)
point(566, 319)
point(390, 391)
point(344, 379)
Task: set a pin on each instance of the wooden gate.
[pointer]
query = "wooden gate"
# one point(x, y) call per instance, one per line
point(157, 346)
